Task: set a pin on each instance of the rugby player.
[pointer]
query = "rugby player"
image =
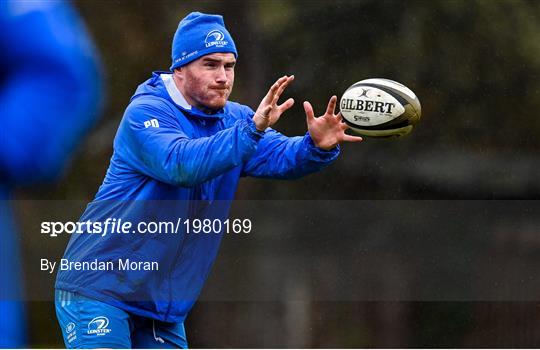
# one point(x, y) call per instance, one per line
point(180, 139)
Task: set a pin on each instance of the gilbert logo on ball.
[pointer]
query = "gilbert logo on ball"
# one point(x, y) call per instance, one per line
point(380, 108)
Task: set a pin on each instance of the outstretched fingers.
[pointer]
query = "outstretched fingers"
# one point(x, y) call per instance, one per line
point(283, 82)
point(350, 138)
point(310, 115)
point(271, 95)
point(344, 126)
point(284, 85)
point(331, 108)
point(285, 105)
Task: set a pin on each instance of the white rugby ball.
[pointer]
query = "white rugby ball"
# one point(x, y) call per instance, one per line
point(380, 108)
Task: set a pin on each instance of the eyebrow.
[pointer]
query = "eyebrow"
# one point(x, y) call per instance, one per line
point(218, 60)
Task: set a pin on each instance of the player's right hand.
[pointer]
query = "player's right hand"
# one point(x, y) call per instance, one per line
point(269, 111)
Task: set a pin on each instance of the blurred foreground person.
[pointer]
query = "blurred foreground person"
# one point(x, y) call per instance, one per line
point(179, 152)
point(49, 91)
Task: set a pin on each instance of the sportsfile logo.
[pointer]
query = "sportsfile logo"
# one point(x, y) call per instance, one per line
point(98, 326)
point(151, 123)
point(215, 38)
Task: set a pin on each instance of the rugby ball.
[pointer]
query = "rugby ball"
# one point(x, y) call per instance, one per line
point(380, 108)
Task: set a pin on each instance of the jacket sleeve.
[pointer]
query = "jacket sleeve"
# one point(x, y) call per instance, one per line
point(50, 88)
point(164, 150)
point(283, 157)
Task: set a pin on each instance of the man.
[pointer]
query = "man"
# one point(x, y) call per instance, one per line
point(49, 97)
point(180, 140)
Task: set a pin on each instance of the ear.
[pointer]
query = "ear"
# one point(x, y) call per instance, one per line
point(179, 73)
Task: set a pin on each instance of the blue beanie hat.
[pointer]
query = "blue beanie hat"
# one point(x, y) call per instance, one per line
point(199, 34)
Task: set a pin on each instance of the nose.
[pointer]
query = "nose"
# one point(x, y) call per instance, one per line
point(221, 76)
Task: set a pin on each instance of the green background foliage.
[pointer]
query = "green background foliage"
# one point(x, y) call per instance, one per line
point(475, 66)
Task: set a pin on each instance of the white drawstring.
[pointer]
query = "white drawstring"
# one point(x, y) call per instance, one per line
point(159, 339)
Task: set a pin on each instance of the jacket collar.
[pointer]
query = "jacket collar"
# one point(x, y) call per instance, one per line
point(179, 100)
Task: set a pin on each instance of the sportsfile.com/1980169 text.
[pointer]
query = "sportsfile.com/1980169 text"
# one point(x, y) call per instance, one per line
point(120, 226)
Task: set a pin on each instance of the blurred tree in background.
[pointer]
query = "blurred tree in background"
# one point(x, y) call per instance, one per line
point(475, 66)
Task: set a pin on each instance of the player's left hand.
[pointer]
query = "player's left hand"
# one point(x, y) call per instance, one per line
point(328, 130)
